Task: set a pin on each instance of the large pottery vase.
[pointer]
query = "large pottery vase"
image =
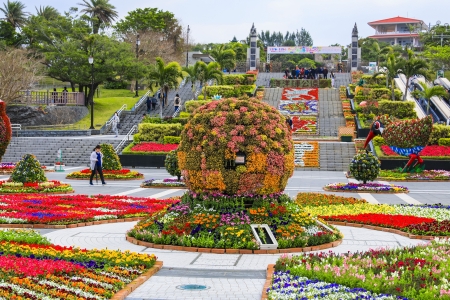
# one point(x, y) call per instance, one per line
point(5, 129)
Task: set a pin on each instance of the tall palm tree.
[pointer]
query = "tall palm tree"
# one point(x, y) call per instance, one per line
point(191, 73)
point(225, 57)
point(412, 66)
point(14, 13)
point(428, 92)
point(392, 67)
point(207, 72)
point(165, 76)
point(47, 12)
point(378, 52)
point(101, 12)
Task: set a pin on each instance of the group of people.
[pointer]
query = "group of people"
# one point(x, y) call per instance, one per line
point(152, 101)
point(56, 98)
point(307, 73)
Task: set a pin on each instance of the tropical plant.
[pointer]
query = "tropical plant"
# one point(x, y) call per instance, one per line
point(28, 169)
point(428, 92)
point(208, 72)
point(111, 160)
point(14, 13)
point(101, 12)
point(391, 68)
point(225, 57)
point(412, 66)
point(164, 75)
point(377, 51)
point(47, 12)
point(171, 164)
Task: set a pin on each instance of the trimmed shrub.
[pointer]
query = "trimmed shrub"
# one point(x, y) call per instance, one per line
point(369, 80)
point(111, 160)
point(234, 79)
point(397, 109)
point(380, 93)
point(227, 91)
point(165, 120)
point(221, 131)
point(409, 133)
point(28, 169)
point(378, 141)
point(184, 114)
point(192, 105)
point(444, 142)
point(365, 166)
point(5, 129)
point(439, 132)
point(171, 164)
point(172, 139)
point(149, 132)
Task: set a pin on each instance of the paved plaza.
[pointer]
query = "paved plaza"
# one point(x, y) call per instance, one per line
point(227, 276)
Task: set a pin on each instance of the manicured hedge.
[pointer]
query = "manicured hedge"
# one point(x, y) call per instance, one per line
point(227, 91)
point(444, 142)
point(165, 120)
point(172, 139)
point(192, 105)
point(149, 132)
point(397, 109)
point(439, 132)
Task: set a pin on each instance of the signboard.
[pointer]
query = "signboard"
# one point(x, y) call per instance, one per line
point(304, 50)
point(440, 73)
point(372, 67)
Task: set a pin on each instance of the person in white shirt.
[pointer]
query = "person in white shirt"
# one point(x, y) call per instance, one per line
point(115, 123)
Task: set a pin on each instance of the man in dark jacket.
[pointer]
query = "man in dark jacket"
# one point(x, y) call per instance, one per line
point(149, 104)
point(325, 73)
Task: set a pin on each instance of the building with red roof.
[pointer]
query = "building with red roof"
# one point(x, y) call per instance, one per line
point(398, 31)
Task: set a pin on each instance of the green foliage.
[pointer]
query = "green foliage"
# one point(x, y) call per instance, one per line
point(165, 76)
point(369, 79)
point(306, 63)
point(378, 141)
point(192, 105)
point(324, 83)
point(444, 142)
point(234, 79)
point(165, 120)
point(28, 169)
point(115, 85)
point(365, 166)
point(172, 139)
point(184, 114)
point(29, 236)
point(439, 132)
point(397, 109)
point(156, 132)
point(409, 133)
point(171, 164)
point(227, 91)
point(111, 160)
point(226, 58)
point(380, 93)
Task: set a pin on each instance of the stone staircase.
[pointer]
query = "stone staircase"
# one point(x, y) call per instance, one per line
point(336, 156)
point(75, 151)
point(331, 116)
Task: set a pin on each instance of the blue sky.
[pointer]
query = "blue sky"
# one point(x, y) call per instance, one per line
point(328, 21)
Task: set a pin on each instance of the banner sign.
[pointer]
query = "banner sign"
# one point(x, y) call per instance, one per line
point(304, 50)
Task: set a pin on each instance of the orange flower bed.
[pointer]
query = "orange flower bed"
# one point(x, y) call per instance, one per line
point(306, 154)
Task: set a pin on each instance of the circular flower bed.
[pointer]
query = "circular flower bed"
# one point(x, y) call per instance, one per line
point(164, 183)
point(365, 187)
point(236, 147)
point(46, 187)
point(8, 168)
point(425, 175)
point(123, 174)
point(221, 221)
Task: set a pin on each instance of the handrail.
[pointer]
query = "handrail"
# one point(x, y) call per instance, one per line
point(127, 138)
point(16, 126)
point(142, 100)
point(110, 121)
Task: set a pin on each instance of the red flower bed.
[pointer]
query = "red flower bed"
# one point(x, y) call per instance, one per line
point(300, 94)
point(154, 147)
point(117, 172)
point(24, 266)
point(433, 150)
point(392, 221)
point(436, 228)
point(35, 208)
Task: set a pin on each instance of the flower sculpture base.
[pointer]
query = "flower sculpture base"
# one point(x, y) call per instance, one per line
point(164, 183)
point(365, 188)
point(124, 174)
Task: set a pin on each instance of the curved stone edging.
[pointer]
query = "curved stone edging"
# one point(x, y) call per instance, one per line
point(43, 193)
point(413, 180)
point(162, 187)
point(232, 251)
point(45, 226)
point(113, 179)
point(358, 191)
point(386, 229)
point(269, 273)
point(123, 293)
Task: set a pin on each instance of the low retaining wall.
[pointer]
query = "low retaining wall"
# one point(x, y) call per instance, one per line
point(430, 164)
point(50, 133)
point(154, 161)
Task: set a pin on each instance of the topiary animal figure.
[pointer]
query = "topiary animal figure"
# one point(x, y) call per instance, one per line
point(365, 166)
point(5, 129)
point(28, 169)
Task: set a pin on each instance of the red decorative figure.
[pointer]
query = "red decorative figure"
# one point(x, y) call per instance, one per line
point(5, 129)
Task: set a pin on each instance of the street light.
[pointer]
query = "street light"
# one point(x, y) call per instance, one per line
point(187, 46)
point(91, 62)
point(138, 42)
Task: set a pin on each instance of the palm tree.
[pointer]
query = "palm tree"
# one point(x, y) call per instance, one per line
point(165, 76)
point(225, 58)
point(207, 72)
point(47, 12)
point(428, 92)
point(192, 73)
point(392, 68)
point(100, 11)
point(378, 52)
point(412, 66)
point(14, 13)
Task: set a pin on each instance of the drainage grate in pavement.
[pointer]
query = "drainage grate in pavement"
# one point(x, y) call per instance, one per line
point(192, 287)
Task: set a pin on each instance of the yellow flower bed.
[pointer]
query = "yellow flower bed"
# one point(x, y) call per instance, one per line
point(319, 199)
point(348, 209)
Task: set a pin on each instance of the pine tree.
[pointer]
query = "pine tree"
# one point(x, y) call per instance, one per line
point(111, 160)
point(28, 169)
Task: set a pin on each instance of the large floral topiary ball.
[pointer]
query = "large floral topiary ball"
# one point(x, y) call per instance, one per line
point(5, 129)
point(365, 166)
point(220, 131)
point(28, 169)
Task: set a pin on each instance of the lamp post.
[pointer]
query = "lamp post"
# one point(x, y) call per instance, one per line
point(187, 46)
point(91, 62)
point(138, 42)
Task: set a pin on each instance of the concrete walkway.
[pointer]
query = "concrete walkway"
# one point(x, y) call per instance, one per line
point(227, 276)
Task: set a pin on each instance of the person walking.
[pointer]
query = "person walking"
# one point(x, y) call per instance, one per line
point(149, 104)
point(154, 101)
point(116, 123)
point(65, 92)
point(54, 96)
point(96, 164)
point(176, 102)
point(325, 73)
point(289, 122)
point(332, 76)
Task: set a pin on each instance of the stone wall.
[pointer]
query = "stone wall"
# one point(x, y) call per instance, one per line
point(45, 115)
point(50, 133)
